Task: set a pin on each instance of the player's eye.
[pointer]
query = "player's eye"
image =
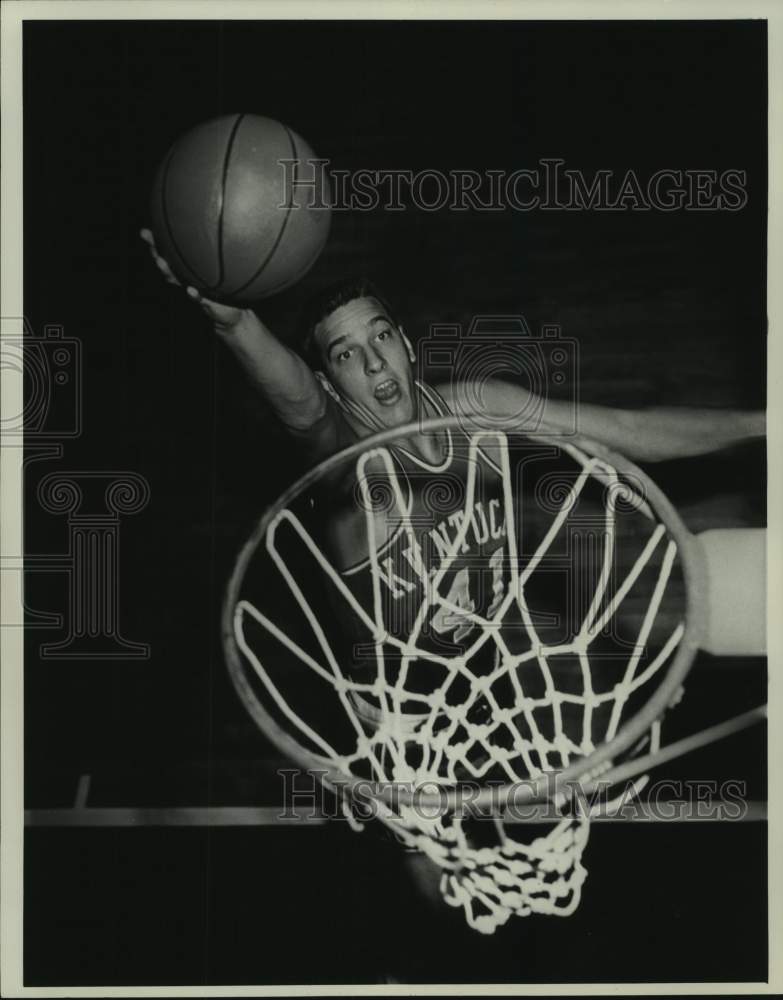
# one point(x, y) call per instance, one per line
point(384, 335)
point(343, 355)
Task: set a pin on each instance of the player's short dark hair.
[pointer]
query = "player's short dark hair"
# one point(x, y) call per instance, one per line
point(327, 301)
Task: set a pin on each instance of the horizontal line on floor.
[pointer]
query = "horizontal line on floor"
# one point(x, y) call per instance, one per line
point(665, 812)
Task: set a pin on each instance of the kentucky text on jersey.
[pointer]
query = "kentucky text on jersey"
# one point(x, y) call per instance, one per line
point(486, 524)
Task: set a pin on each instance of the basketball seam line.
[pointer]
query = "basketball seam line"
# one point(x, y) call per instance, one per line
point(221, 209)
point(170, 229)
point(279, 236)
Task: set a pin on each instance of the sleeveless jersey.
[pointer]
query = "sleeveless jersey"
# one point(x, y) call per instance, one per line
point(440, 565)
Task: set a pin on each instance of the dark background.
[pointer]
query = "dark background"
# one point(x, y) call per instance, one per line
point(666, 309)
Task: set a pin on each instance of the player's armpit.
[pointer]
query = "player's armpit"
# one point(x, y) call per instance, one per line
point(326, 434)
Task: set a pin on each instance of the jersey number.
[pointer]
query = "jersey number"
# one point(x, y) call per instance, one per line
point(459, 600)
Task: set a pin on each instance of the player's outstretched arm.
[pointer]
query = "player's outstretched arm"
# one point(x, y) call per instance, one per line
point(661, 433)
point(278, 372)
point(652, 435)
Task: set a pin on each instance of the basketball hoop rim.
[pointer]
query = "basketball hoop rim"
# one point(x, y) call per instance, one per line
point(582, 771)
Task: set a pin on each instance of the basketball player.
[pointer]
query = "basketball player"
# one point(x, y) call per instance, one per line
point(359, 379)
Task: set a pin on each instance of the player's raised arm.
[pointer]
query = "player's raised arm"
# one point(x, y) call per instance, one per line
point(661, 433)
point(651, 435)
point(279, 373)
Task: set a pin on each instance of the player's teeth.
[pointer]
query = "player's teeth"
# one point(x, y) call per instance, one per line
point(386, 388)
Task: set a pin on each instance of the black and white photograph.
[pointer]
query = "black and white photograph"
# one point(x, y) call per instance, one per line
point(385, 498)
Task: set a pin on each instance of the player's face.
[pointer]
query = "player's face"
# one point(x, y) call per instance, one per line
point(366, 360)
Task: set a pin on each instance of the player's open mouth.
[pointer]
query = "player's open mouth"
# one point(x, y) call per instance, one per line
point(388, 392)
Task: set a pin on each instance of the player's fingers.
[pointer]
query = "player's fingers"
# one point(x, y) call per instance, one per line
point(154, 251)
point(160, 262)
point(151, 244)
point(165, 270)
point(149, 239)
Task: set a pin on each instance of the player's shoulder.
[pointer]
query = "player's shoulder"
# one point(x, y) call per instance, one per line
point(446, 394)
point(468, 396)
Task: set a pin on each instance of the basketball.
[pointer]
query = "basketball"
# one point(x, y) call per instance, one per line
point(237, 209)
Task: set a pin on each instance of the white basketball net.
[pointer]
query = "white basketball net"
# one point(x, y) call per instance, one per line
point(445, 746)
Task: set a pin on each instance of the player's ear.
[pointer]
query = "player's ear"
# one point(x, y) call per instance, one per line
point(327, 386)
point(409, 346)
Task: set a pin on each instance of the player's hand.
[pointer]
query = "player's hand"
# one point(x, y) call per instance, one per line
point(223, 317)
